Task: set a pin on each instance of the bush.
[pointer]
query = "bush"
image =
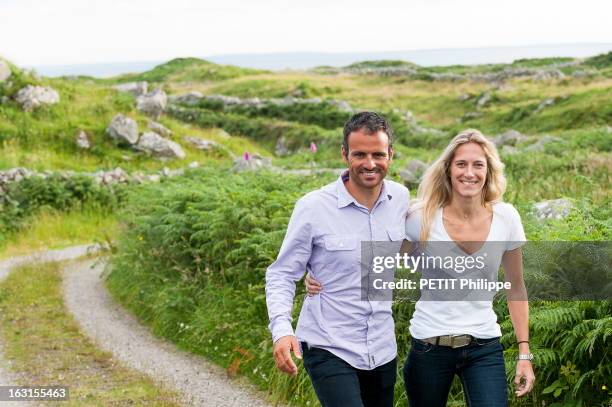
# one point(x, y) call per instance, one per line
point(22, 199)
point(192, 262)
point(323, 114)
point(600, 61)
point(263, 130)
point(18, 80)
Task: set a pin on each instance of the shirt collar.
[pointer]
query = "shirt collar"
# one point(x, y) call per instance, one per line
point(345, 198)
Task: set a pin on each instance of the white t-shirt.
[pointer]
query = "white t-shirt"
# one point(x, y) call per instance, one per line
point(476, 318)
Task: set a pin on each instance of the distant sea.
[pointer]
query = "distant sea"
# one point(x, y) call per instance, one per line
point(306, 60)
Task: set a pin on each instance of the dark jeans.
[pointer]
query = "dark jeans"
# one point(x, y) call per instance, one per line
point(339, 384)
point(430, 369)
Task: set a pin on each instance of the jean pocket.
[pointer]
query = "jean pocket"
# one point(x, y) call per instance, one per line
point(486, 342)
point(420, 347)
point(314, 357)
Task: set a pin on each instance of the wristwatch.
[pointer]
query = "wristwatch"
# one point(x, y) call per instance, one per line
point(528, 357)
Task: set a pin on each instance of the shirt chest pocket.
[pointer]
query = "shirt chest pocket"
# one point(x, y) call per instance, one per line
point(342, 252)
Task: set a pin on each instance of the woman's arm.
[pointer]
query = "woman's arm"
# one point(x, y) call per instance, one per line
point(518, 306)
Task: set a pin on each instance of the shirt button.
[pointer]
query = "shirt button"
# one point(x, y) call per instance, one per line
point(369, 342)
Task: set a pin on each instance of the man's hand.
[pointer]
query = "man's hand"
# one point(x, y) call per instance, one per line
point(524, 378)
point(282, 354)
point(313, 287)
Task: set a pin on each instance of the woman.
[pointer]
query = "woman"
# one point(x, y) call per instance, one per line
point(460, 200)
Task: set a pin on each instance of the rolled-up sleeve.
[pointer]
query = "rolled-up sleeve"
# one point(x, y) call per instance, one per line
point(288, 268)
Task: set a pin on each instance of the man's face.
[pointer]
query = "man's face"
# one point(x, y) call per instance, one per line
point(368, 158)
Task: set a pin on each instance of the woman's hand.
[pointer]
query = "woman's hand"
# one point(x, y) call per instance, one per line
point(313, 287)
point(524, 378)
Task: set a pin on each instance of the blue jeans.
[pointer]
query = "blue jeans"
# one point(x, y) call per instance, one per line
point(339, 384)
point(430, 369)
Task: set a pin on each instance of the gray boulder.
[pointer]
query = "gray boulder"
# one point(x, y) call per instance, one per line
point(464, 96)
point(253, 163)
point(189, 99)
point(199, 143)
point(286, 101)
point(540, 145)
point(153, 143)
point(14, 175)
point(226, 100)
point(544, 104)
point(123, 130)
point(483, 100)
point(553, 209)
point(31, 97)
point(548, 74)
point(417, 166)
point(255, 102)
point(470, 116)
point(281, 148)
point(5, 71)
point(509, 138)
point(583, 73)
point(413, 172)
point(82, 140)
point(159, 129)
point(135, 88)
point(153, 104)
point(409, 118)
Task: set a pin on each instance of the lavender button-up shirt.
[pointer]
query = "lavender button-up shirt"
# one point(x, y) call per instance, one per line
point(323, 237)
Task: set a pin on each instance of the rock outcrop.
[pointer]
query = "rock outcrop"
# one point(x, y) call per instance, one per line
point(159, 129)
point(199, 143)
point(135, 88)
point(82, 140)
point(509, 138)
point(153, 104)
point(412, 174)
point(251, 163)
point(123, 130)
point(553, 209)
point(32, 97)
point(153, 143)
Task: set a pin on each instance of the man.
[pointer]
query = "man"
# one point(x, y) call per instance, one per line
point(348, 342)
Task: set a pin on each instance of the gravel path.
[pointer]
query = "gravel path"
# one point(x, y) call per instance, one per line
point(7, 377)
point(114, 330)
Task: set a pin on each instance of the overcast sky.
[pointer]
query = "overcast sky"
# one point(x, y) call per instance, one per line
point(40, 32)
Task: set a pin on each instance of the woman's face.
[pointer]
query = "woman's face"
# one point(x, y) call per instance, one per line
point(468, 170)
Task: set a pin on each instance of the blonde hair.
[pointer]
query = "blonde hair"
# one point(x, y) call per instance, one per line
point(435, 191)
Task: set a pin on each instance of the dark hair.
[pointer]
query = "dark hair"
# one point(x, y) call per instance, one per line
point(370, 122)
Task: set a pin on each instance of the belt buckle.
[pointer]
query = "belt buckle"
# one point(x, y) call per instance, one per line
point(452, 341)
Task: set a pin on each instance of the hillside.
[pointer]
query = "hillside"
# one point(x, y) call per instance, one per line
point(190, 171)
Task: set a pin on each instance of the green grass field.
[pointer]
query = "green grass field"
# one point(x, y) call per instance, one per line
point(190, 253)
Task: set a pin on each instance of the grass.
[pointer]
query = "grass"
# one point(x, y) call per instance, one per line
point(214, 315)
point(52, 229)
point(188, 70)
point(45, 139)
point(45, 345)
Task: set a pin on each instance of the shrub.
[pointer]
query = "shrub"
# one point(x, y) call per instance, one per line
point(22, 199)
point(192, 262)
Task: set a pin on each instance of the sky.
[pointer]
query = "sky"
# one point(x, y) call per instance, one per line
point(43, 32)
